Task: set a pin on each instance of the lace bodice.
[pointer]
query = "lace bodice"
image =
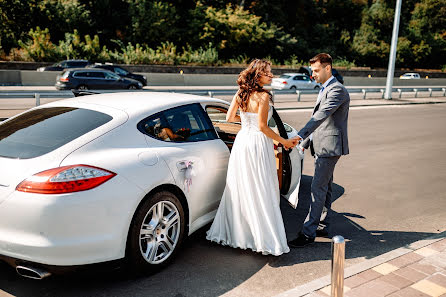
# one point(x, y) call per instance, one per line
point(250, 120)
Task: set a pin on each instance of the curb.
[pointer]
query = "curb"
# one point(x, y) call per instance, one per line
point(324, 281)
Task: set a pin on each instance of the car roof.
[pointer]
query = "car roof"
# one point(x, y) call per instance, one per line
point(292, 73)
point(89, 69)
point(410, 73)
point(135, 103)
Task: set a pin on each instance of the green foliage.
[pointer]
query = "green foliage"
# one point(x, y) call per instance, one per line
point(215, 32)
point(39, 47)
point(153, 22)
point(201, 56)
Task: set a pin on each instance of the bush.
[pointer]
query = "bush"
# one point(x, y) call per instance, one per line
point(39, 47)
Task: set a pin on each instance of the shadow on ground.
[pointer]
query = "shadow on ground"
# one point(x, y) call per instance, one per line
point(207, 269)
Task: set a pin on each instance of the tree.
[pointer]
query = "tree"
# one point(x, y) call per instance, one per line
point(428, 33)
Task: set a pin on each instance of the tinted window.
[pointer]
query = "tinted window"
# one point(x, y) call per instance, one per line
point(96, 74)
point(121, 71)
point(109, 75)
point(80, 74)
point(43, 130)
point(298, 77)
point(284, 76)
point(79, 64)
point(187, 123)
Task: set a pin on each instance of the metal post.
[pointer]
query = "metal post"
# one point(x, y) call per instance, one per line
point(430, 92)
point(37, 96)
point(399, 93)
point(382, 93)
point(210, 94)
point(298, 95)
point(416, 92)
point(337, 266)
point(444, 91)
point(364, 93)
point(392, 56)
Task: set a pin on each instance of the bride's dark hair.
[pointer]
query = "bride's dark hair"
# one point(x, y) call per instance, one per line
point(248, 81)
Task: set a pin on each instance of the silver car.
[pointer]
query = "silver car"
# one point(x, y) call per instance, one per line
point(294, 81)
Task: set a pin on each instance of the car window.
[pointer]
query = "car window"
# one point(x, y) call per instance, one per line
point(306, 78)
point(188, 123)
point(41, 131)
point(63, 64)
point(109, 75)
point(96, 74)
point(285, 76)
point(80, 74)
point(298, 77)
point(120, 71)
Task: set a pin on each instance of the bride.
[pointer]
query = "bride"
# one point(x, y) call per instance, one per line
point(249, 214)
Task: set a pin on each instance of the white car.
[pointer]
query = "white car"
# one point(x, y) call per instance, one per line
point(94, 178)
point(410, 76)
point(294, 81)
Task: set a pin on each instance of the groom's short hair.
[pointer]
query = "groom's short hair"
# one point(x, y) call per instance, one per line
point(323, 58)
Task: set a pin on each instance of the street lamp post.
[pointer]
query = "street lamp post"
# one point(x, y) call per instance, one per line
point(392, 56)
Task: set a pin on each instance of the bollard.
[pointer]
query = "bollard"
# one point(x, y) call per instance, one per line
point(416, 92)
point(210, 94)
point(382, 93)
point(399, 93)
point(364, 93)
point(37, 96)
point(298, 95)
point(337, 266)
point(444, 91)
point(430, 92)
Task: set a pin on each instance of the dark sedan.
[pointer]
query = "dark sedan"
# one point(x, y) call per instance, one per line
point(121, 72)
point(90, 78)
point(60, 66)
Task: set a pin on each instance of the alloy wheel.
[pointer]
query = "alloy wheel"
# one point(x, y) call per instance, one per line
point(159, 232)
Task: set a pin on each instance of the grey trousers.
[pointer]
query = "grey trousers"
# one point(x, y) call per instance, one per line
point(321, 192)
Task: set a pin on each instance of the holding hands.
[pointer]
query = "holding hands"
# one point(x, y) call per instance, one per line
point(290, 143)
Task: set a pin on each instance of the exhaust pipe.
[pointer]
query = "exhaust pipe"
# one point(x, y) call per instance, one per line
point(32, 272)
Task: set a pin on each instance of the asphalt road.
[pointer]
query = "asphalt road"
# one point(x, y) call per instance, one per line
point(390, 191)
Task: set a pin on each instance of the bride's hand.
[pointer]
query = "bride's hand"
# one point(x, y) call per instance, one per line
point(289, 143)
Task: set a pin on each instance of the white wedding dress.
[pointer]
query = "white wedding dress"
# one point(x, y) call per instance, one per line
point(249, 214)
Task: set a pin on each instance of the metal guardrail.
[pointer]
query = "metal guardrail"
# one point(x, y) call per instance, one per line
point(213, 93)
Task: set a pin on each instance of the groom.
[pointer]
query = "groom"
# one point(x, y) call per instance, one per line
point(326, 134)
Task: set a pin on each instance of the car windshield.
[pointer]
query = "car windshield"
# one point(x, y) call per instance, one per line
point(285, 76)
point(41, 131)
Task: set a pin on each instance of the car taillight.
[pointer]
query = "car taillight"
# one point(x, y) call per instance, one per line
point(284, 82)
point(66, 179)
point(64, 79)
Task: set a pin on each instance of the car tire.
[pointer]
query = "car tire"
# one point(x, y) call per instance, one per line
point(82, 88)
point(293, 88)
point(317, 88)
point(154, 240)
point(133, 87)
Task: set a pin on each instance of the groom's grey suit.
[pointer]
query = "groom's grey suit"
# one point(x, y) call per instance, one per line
point(329, 127)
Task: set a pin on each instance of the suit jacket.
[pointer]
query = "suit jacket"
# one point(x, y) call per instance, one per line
point(329, 122)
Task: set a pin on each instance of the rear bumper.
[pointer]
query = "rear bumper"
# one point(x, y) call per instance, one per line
point(69, 229)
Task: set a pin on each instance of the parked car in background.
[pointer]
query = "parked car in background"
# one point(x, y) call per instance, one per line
point(294, 81)
point(91, 78)
point(307, 70)
point(121, 72)
point(91, 179)
point(410, 75)
point(64, 65)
